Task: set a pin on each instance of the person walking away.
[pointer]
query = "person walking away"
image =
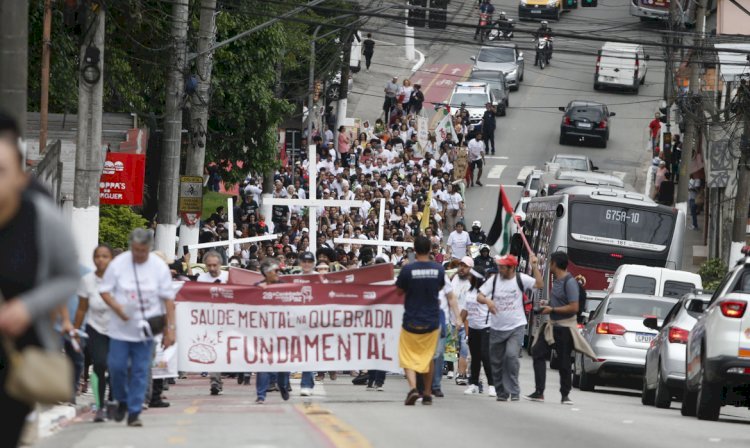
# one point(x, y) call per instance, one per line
point(694, 186)
point(416, 100)
point(420, 283)
point(489, 124)
point(654, 128)
point(137, 285)
point(560, 331)
point(476, 157)
point(503, 295)
point(391, 90)
point(214, 274)
point(665, 195)
point(270, 270)
point(36, 273)
point(478, 334)
point(368, 49)
point(97, 314)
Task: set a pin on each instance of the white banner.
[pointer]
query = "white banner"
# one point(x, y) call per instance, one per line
point(164, 364)
point(289, 327)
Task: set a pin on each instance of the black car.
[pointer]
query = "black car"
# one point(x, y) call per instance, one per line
point(499, 89)
point(585, 121)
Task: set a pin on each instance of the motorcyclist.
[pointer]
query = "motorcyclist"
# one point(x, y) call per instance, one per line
point(484, 260)
point(503, 24)
point(485, 8)
point(476, 235)
point(544, 31)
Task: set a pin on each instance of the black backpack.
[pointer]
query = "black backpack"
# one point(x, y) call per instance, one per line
point(581, 300)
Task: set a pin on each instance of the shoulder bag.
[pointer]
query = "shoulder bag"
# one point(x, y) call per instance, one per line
point(156, 323)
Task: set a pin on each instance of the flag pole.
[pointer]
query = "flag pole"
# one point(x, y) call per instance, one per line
point(523, 237)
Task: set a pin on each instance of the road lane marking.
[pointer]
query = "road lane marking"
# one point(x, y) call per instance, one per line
point(496, 171)
point(339, 433)
point(620, 174)
point(191, 410)
point(496, 157)
point(525, 171)
point(176, 440)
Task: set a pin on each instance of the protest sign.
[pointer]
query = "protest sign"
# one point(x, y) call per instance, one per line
point(288, 327)
point(164, 364)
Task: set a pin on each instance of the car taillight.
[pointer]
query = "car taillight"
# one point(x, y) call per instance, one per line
point(610, 328)
point(526, 193)
point(603, 124)
point(733, 308)
point(567, 121)
point(678, 335)
point(598, 60)
point(618, 256)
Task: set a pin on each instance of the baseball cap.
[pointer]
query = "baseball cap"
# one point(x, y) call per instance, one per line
point(507, 260)
point(468, 261)
point(307, 256)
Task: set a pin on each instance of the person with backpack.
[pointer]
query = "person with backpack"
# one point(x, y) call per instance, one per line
point(560, 331)
point(503, 295)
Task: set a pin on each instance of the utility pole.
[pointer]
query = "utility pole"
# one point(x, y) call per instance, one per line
point(169, 179)
point(44, 101)
point(199, 101)
point(739, 226)
point(694, 112)
point(89, 163)
point(14, 42)
point(341, 104)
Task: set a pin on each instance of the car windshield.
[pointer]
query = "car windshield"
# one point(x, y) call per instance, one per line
point(616, 225)
point(632, 307)
point(471, 99)
point(497, 55)
point(575, 164)
point(495, 83)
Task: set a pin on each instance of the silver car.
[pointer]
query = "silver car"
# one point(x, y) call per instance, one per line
point(665, 359)
point(506, 58)
point(616, 332)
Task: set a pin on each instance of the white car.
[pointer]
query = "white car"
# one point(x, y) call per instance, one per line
point(473, 96)
point(531, 184)
point(665, 358)
point(521, 206)
point(717, 363)
point(571, 162)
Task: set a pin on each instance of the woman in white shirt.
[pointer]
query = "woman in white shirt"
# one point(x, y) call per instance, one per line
point(404, 93)
point(137, 285)
point(476, 315)
point(96, 313)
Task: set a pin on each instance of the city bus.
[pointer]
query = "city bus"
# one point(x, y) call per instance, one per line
point(600, 229)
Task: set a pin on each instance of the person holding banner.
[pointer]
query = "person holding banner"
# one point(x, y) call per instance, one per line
point(214, 274)
point(270, 270)
point(420, 283)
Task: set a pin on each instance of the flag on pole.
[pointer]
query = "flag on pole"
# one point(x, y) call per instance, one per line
point(425, 222)
point(503, 226)
point(444, 129)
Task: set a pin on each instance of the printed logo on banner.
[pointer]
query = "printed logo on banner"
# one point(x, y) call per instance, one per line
point(202, 351)
point(334, 294)
point(369, 295)
point(221, 293)
point(304, 295)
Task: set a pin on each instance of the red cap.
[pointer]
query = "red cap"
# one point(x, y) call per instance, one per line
point(507, 260)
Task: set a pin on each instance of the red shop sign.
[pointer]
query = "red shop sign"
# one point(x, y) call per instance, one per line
point(122, 179)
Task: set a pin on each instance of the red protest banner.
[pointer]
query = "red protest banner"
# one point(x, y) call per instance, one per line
point(287, 327)
point(239, 276)
point(121, 182)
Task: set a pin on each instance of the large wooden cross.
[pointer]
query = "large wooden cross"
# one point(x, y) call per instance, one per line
point(380, 243)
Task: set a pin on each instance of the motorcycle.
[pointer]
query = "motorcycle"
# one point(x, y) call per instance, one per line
point(485, 25)
point(543, 50)
point(502, 29)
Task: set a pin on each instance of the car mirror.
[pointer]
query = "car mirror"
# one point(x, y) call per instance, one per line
point(591, 316)
point(520, 55)
point(594, 168)
point(612, 114)
point(652, 323)
point(561, 108)
point(473, 58)
point(521, 184)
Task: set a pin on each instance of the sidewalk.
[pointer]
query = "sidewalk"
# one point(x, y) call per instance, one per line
point(48, 420)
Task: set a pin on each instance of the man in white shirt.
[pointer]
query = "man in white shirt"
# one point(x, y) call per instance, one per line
point(214, 274)
point(503, 295)
point(476, 157)
point(461, 284)
point(458, 242)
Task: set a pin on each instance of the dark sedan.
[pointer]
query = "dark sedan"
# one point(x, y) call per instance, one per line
point(499, 89)
point(585, 121)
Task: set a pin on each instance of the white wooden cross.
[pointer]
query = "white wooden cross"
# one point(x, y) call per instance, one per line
point(232, 240)
point(312, 202)
point(378, 242)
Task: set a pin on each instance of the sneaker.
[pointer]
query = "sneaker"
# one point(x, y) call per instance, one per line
point(481, 387)
point(332, 375)
point(450, 374)
point(438, 393)
point(320, 377)
point(273, 388)
point(380, 388)
point(121, 411)
point(426, 401)
point(411, 397)
point(462, 380)
point(134, 421)
point(691, 227)
point(247, 379)
point(159, 404)
point(471, 390)
point(503, 397)
point(492, 392)
point(370, 388)
point(215, 389)
point(306, 392)
point(99, 417)
point(284, 393)
point(515, 397)
point(480, 184)
point(536, 396)
point(296, 376)
point(566, 400)
point(259, 401)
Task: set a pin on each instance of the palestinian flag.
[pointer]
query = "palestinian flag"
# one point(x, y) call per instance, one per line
point(504, 225)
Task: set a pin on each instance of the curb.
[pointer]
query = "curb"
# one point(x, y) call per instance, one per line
point(419, 63)
point(43, 423)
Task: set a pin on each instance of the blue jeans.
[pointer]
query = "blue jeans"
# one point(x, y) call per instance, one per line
point(77, 359)
point(308, 380)
point(463, 345)
point(263, 380)
point(129, 364)
point(693, 212)
point(438, 359)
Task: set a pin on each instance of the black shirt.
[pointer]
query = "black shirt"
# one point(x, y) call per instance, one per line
point(369, 45)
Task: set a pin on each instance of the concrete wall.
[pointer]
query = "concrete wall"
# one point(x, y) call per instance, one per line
point(732, 20)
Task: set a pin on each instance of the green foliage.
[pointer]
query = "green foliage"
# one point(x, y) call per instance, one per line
point(712, 272)
point(116, 223)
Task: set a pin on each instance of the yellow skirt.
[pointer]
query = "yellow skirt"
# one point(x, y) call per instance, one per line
point(415, 351)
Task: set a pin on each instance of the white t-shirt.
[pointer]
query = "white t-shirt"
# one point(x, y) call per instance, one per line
point(453, 200)
point(155, 283)
point(99, 312)
point(458, 243)
point(443, 297)
point(460, 287)
point(476, 149)
point(205, 277)
point(508, 301)
point(476, 312)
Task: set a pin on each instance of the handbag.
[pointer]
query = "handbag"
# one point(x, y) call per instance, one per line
point(156, 323)
point(36, 375)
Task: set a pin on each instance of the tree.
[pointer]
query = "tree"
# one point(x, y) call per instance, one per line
point(116, 223)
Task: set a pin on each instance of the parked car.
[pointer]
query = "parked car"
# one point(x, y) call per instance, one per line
point(717, 364)
point(638, 279)
point(506, 58)
point(665, 359)
point(498, 88)
point(585, 121)
point(531, 184)
point(571, 162)
point(616, 332)
point(622, 66)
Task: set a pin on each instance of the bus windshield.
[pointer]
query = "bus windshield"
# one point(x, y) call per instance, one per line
point(621, 226)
